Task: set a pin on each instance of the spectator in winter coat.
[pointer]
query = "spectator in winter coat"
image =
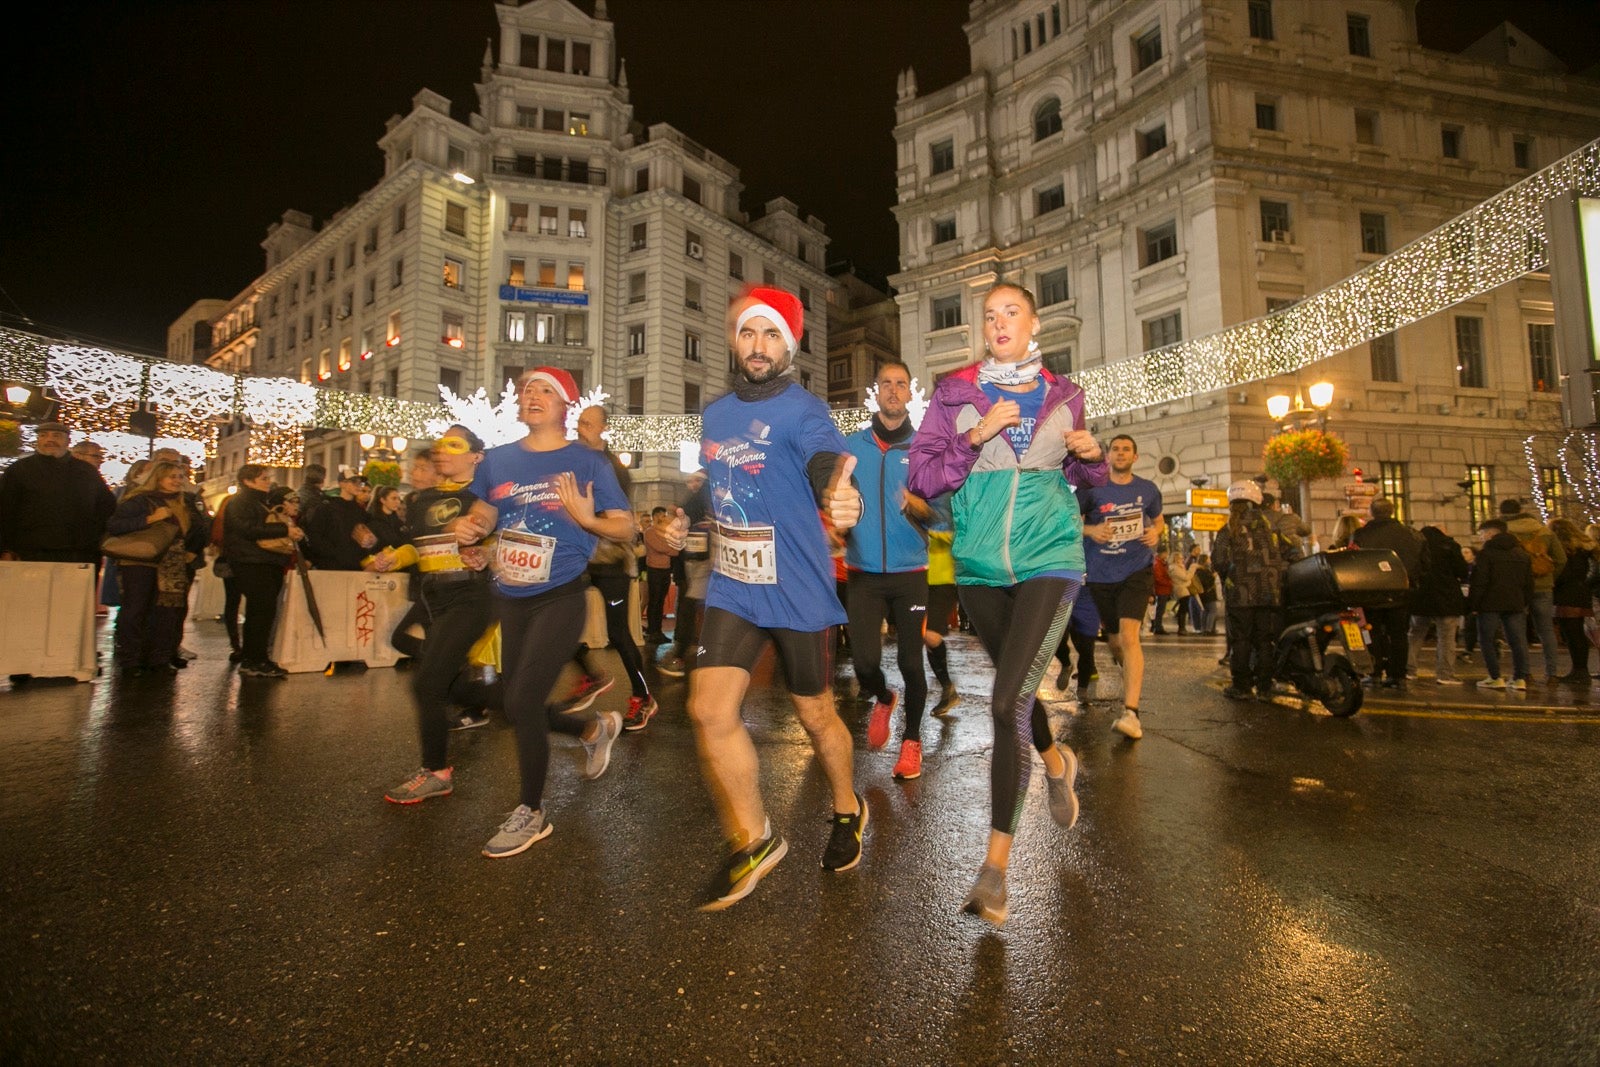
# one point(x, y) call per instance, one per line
point(1546, 557)
point(1250, 557)
point(1437, 601)
point(1574, 600)
point(53, 508)
point(1204, 581)
point(155, 594)
point(1283, 519)
point(257, 569)
point(1182, 590)
point(1502, 586)
point(337, 535)
point(1390, 648)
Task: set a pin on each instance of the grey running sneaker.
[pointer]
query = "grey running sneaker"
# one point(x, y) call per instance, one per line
point(598, 752)
point(844, 843)
point(1127, 724)
point(736, 877)
point(521, 829)
point(1060, 795)
point(948, 699)
point(672, 665)
point(987, 898)
point(419, 787)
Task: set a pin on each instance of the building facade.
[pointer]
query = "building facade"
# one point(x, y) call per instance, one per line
point(1155, 170)
point(863, 334)
point(548, 228)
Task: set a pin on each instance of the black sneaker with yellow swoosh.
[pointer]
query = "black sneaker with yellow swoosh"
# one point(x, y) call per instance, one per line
point(736, 877)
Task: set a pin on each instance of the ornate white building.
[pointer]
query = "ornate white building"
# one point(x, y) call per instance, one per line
point(548, 229)
point(1155, 170)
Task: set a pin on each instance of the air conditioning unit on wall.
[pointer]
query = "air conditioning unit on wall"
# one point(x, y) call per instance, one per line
point(695, 251)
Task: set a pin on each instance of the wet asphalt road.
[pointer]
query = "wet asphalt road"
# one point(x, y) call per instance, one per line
point(202, 870)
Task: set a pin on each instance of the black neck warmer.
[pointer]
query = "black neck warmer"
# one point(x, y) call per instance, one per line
point(889, 436)
point(747, 390)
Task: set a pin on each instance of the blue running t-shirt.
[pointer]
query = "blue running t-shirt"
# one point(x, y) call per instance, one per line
point(1029, 405)
point(1130, 509)
point(771, 564)
point(521, 486)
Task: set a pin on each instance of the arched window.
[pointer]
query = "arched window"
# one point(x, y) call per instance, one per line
point(1046, 118)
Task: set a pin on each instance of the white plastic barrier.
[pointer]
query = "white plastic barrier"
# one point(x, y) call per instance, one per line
point(359, 611)
point(47, 620)
point(205, 601)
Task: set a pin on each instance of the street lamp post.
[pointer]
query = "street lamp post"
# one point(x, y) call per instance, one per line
point(1294, 413)
point(390, 451)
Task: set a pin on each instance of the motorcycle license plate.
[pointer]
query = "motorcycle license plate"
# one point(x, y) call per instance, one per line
point(1355, 636)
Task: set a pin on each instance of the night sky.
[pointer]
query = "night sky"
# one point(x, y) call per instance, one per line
point(148, 145)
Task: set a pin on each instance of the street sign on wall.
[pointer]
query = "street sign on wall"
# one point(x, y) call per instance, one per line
point(1208, 521)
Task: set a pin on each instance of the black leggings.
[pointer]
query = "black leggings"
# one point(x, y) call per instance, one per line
point(614, 588)
point(903, 598)
point(538, 635)
point(1577, 643)
point(1020, 627)
point(456, 615)
point(1083, 644)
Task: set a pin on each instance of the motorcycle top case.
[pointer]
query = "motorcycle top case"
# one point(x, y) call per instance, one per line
point(1354, 578)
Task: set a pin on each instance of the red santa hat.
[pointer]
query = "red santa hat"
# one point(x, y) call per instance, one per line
point(782, 308)
point(558, 379)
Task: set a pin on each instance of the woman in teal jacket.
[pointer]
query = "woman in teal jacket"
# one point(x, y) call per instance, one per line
point(1007, 438)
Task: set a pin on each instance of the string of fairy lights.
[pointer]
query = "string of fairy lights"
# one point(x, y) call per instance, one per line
point(1493, 243)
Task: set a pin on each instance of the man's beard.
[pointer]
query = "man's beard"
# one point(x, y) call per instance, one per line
point(772, 370)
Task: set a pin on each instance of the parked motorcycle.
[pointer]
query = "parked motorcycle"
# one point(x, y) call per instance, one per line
point(1325, 599)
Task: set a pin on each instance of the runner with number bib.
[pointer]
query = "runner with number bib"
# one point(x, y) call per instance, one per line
point(547, 500)
point(774, 457)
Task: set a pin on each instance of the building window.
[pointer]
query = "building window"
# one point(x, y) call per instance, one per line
point(547, 274)
point(1048, 200)
point(350, 255)
point(1027, 38)
point(1366, 127)
point(839, 371)
point(636, 288)
point(1522, 153)
point(1385, 359)
point(399, 218)
point(1450, 142)
point(1158, 243)
point(311, 280)
point(580, 58)
point(1055, 20)
point(576, 327)
point(454, 332)
point(1058, 361)
point(638, 239)
point(1469, 352)
point(1147, 49)
point(516, 217)
point(691, 294)
point(397, 274)
point(391, 336)
point(1266, 113)
point(528, 54)
point(641, 180)
point(455, 219)
point(942, 156)
point(516, 271)
point(555, 54)
point(691, 398)
point(805, 297)
point(735, 266)
point(575, 277)
point(577, 222)
point(1148, 142)
point(635, 396)
point(1392, 484)
point(450, 379)
point(1261, 19)
point(369, 290)
point(1053, 287)
point(1542, 356)
point(544, 329)
point(1164, 330)
point(528, 118)
point(691, 346)
point(549, 220)
point(516, 326)
point(769, 277)
point(691, 189)
point(802, 252)
point(1275, 221)
point(455, 158)
point(452, 273)
point(636, 339)
point(1374, 234)
point(1358, 33)
point(1480, 492)
point(944, 230)
point(1046, 118)
point(946, 312)
point(1552, 490)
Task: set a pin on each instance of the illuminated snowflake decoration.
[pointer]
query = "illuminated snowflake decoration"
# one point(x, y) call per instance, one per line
point(595, 398)
point(184, 389)
point(94, 376)
point(279, 403)
point(915, 407)
point(497, 423)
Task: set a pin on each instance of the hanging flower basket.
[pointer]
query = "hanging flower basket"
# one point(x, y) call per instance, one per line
point(1305, 456)
point(381, 472)
point(10, 438)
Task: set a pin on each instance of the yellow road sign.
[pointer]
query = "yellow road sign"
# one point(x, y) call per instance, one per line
point(1208, 498)
point(1207, 521)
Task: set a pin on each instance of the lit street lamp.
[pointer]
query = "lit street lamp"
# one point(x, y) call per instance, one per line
point(1296, 414)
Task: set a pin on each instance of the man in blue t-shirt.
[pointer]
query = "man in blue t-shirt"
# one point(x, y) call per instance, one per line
point(774, 458)
point(1121, 525)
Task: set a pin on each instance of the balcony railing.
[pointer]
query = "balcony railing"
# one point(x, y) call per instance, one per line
point(550, 169)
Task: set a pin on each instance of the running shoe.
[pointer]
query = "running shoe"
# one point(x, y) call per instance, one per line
point(597, 753)
point(910, 763)
point(1127, 724)
point(521, 829)
point(844, 843)
point(1519, 685)
point(264, 669)
point(735, 878)
point(948, 699)
point(1060, 796)
point(878, 721)
point(672, 665)
point(640, 711)
point(419, 787)
point(1492, 683)
point(583, 694)
point(469, 720)
point(1446, 680)
point(987, 898)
